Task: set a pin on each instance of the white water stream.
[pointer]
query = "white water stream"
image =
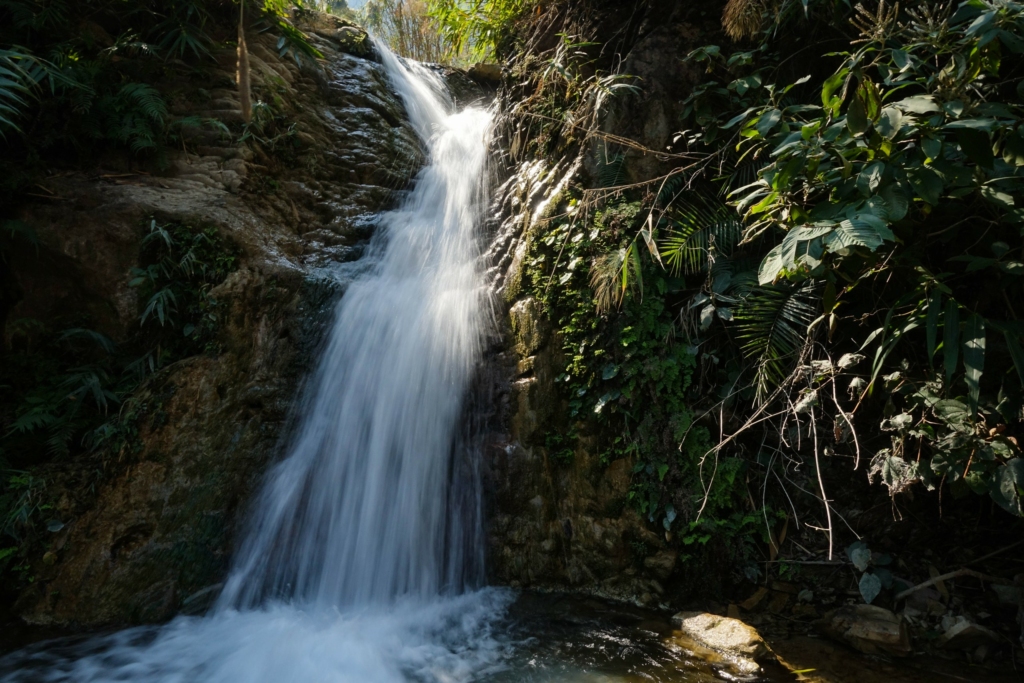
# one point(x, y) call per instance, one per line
point(361, 550)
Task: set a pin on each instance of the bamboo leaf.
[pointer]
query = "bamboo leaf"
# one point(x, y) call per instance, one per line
point(950, 337)
point(1016, 353)
point(974, 357)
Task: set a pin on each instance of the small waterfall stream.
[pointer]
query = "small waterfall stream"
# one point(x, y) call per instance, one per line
point(360, 512)
point(360, 549)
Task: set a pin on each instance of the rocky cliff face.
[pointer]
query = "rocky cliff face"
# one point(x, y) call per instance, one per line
point(148, 532)
point(562, 520)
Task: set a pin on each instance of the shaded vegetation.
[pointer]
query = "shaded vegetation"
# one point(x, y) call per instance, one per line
point(833, 248)
point(68, 390)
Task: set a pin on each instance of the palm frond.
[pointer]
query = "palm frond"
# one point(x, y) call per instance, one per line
point(772, 329)
point(670, 188)
point(700, 228)
point(15, 88)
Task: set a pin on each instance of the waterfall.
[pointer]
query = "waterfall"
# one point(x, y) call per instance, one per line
point(360, 548)
point(360, 511)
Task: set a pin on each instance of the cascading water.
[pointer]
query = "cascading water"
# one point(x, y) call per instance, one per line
point(360, 512)
point(359, 545)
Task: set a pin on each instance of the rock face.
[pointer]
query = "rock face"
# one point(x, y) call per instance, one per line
point(563, 519)
point(560, 519)
point(156, 534)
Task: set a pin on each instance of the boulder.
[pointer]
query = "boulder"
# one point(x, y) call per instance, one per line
point(661, 564)
point(727, 641)
point(965, 635)
point(489, 74)
point(869, 629)
point(724, 634)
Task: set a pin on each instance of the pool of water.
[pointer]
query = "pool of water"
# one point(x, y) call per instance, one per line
point(491, 636)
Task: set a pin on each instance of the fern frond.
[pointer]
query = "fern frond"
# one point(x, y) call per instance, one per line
point(772, 329)
point(145, 99)
point(701, 226)
point(612, 170)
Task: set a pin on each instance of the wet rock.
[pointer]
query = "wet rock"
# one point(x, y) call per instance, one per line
point(485, 73)
point(350, 39)
point(661, 564)
point(965, 635)
point(869, 629)
point(739, 645)
point(529, 327)
point(723, 634)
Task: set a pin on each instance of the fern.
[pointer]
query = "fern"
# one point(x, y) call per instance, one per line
point(700, 227)
point(142, 115)
point(145, 100)
point(612, 170)
point(772, 329)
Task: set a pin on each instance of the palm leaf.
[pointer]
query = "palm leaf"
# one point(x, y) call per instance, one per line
point(15, 86)
point(772, 329)
point(700, 226)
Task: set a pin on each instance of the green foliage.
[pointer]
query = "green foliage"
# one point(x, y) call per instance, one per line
point(476, 30)
point(887, 197)
point(82, 78)
point(71, 391)
point(15, 87)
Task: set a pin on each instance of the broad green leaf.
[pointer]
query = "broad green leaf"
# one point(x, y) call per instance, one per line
point(1007, 484)
point(927, 183)
point(832, 83)
point(868, 93)
point(954, 413)
point(857, 116)
point(870, 586)
point(852, 233)
point(974, 357)
point(870, 178)
point(950, 338)
point(860, 556)
point(889, 122)
point(1013, 148)
point(771, 266)
point(983, 124)
point(932, 147)
point(996, 197)
point(983, 22)
point(768, 121)
point(918, 104)
point(896, 203)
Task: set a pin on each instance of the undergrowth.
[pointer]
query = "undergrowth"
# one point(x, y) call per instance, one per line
point(71, 392)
